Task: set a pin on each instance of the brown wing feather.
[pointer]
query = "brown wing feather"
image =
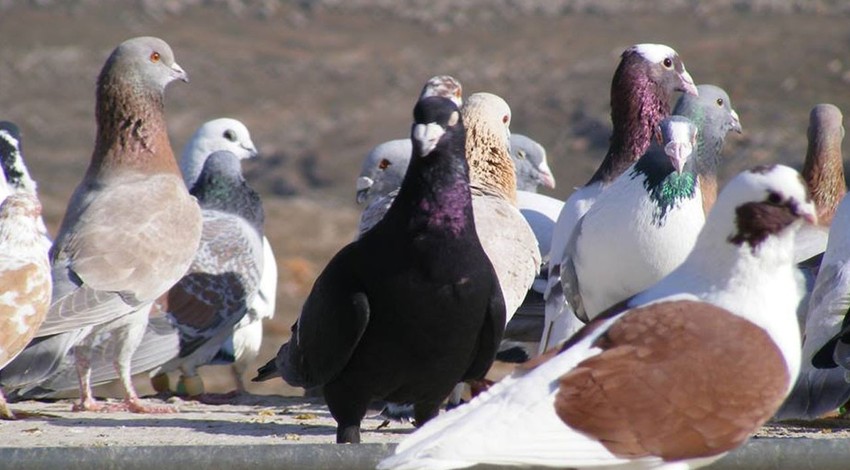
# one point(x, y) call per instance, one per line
point(675, 380)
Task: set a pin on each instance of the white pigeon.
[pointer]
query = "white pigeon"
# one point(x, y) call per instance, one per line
point(233, 136)
point(622, 393)
point(16, 178)
point(641, 93)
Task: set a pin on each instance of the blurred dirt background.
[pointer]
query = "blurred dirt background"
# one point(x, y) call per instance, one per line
point(319, 83)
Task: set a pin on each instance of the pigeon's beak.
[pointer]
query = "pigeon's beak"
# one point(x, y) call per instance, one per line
point(426, 137)
point(252, 150)
point(364, 183)
point(687, 85)
point(678, 152)
point(736, 123)
point(807, 212)
point(179, 73)
point(546, 178)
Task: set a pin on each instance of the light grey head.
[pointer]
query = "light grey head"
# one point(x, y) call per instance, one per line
point(530, 163)
point(143, 63)
point(445, 86)
point(217, 134)
point(383, 170)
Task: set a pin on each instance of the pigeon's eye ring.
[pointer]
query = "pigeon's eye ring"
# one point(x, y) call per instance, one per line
point(520, 154)
point(774, 198)
point(668, 62)
point(155, 57)
point(230, 135)
point(719, 102)
point(505, 119)
point(384, 164)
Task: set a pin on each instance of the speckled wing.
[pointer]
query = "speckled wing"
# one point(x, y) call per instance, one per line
point(24, 303)
point(221, 284)
point(510, 245)
point(109, 258)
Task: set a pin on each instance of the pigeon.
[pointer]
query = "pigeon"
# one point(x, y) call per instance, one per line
point(241, 349)
point(640, 228)
point(641, 93)
point(823, 171)
point(25, 276)
point(621, 393)
point(532, 168)
point(16, 176)
point(218, 291)
point(505, 235)
point(385, 165)
point(129, 233)
point(214, 135)
point(822, 312)
point(361, 336)
point(659, 204)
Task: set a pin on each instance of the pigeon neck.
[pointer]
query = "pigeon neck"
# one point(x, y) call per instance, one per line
point(230, 196)
point(21, 233)
point(824, 175)
point(131, 131)
point(637, 107)
point(435, 195)
point(666, 187)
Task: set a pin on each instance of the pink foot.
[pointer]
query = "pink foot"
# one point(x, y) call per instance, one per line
point(137, 406)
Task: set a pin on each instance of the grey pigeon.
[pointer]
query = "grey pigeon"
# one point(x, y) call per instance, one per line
point(623, 392)
point(361, 336)
point(214, 135)
point(130, 231)
point(641, 94)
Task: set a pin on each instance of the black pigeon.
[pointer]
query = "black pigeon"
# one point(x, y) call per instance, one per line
point(411, 308)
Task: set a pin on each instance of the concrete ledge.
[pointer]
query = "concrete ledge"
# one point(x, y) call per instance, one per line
point(758, 454)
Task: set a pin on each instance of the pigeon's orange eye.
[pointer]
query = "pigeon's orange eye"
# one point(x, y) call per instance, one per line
point(155, 57)
point(384, 164)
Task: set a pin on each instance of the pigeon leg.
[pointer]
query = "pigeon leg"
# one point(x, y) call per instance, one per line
point(348, 406)
point(82, 357)
point(5, 412)
point(423, 412)
point(129, 337)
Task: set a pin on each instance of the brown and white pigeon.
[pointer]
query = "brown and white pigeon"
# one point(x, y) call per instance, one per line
point(24, 278)
point(129, 233)
point(622, 392)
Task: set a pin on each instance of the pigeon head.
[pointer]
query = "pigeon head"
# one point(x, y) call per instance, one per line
point(824, 166)
point(679, 137)
point(663, 66)
point(217, 134)
point(432, 117)
point(383, 170)
point(532, 169)
point(712, 106)
point(14, 170)
point(145, 63)
point(641, 94)
point(487, 118)
point(445, 86)
point(767, 201)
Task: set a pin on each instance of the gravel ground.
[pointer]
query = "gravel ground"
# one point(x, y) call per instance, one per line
point(249, 420)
